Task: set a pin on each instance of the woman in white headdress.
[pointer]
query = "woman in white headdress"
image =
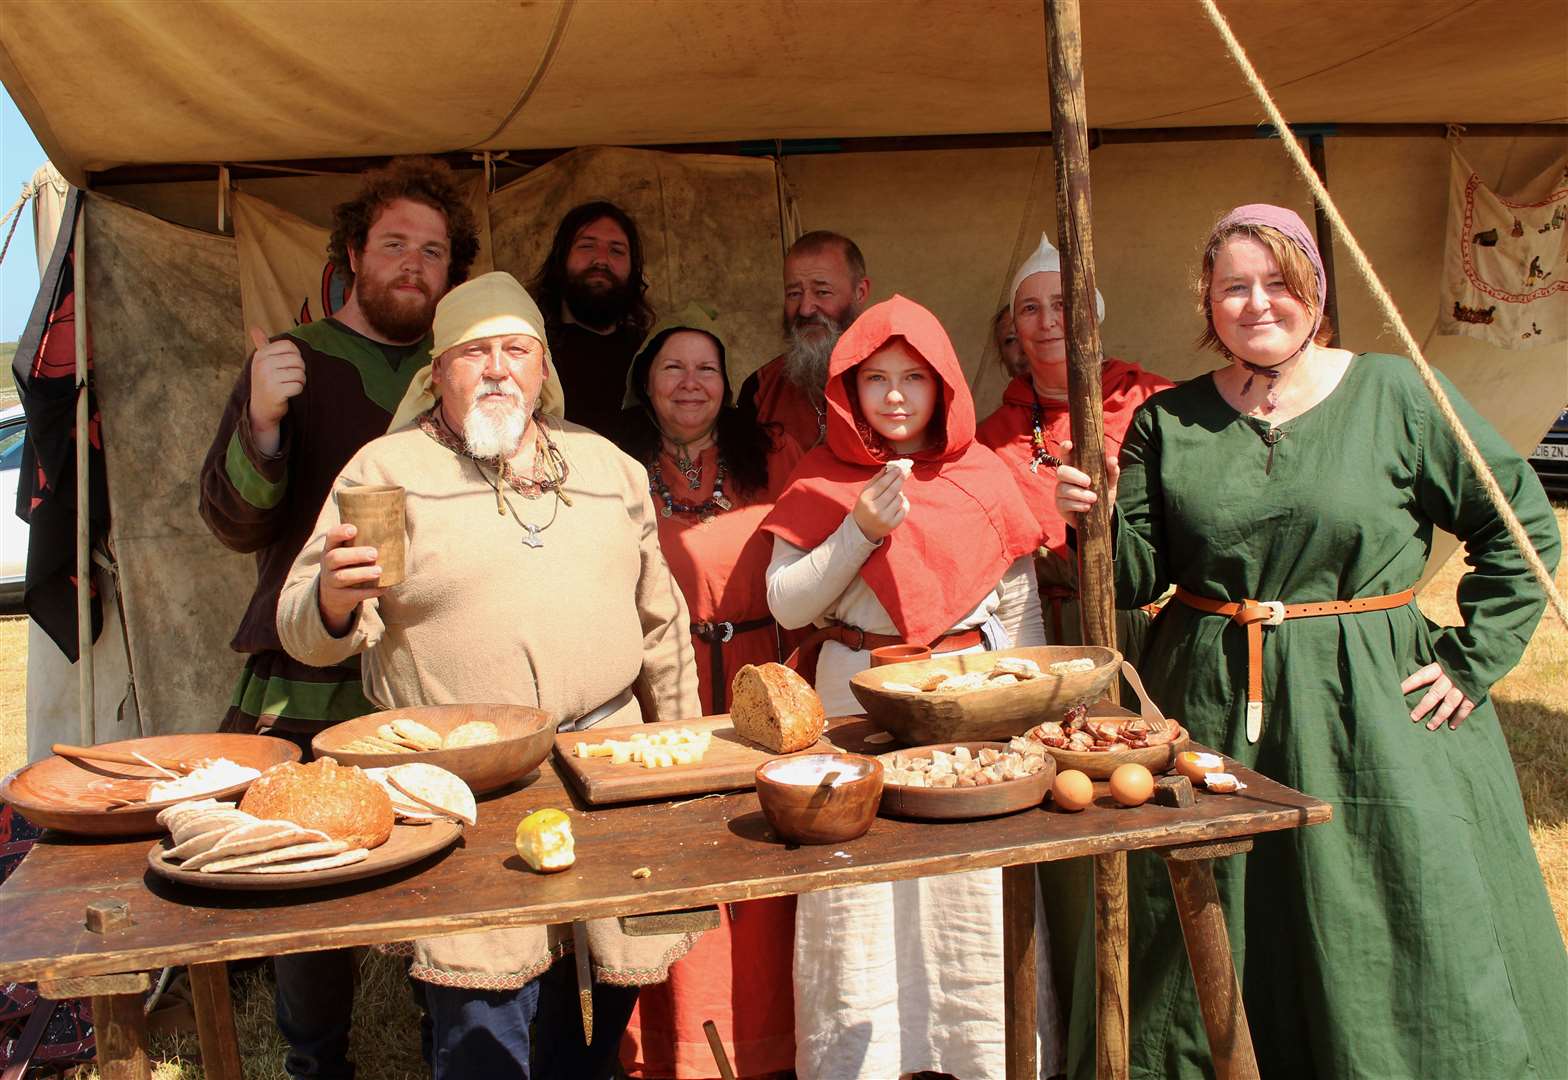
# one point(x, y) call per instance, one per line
point(1030, 428)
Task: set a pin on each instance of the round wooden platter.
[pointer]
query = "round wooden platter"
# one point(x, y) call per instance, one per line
point(962, 804)
point(74, 796)
point(407, 844)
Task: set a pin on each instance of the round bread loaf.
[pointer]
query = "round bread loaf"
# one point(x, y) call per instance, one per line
point(772, 706)
point(339, 800)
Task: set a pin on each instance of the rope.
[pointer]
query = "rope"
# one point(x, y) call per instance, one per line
point(1391, 314)
point(27, 193)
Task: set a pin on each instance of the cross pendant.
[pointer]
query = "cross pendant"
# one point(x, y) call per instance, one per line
point(532, 539)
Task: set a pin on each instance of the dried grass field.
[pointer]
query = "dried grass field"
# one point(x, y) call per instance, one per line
point(1532, 703)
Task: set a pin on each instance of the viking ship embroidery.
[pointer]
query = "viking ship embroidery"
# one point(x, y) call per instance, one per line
point(1473, 315)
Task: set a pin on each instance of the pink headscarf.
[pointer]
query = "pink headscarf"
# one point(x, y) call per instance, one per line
point(1290, 224)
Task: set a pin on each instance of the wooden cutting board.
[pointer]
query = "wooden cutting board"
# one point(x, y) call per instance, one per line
point(729, 765)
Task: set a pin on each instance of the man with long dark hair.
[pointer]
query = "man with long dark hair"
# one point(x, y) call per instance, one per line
point(825, 289)
point(594, 297)
point(304, 403)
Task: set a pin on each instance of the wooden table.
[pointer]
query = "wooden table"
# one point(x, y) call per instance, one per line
point(701, 852)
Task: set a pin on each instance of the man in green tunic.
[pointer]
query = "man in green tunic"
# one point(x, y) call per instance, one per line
point(1412, 936)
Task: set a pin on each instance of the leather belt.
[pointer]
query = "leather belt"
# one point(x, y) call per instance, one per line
point(717, 634)
point(804, 658)
point(1256, 614)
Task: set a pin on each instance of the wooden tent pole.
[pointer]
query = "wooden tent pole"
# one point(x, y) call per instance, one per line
point(1096, 585)
point(84, 562)
point(1316, 153)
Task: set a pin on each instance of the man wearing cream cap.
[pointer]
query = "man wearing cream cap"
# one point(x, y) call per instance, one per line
point(533, 577)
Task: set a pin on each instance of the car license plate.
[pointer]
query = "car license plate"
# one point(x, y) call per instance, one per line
point(1552, 451)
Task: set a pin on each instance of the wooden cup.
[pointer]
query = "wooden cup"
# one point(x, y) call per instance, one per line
point(376, 510)
point(898, 654)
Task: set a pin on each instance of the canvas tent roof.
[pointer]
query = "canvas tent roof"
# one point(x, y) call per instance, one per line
point(154, 81)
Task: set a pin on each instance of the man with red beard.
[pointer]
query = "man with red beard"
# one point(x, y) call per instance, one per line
point(304, 403)
point(825, 289)
point(593, 294)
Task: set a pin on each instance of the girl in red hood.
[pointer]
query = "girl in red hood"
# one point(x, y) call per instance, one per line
point(875, 551)
point(901, 527)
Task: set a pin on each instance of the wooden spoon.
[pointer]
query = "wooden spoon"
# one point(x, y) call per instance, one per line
point(93, 753)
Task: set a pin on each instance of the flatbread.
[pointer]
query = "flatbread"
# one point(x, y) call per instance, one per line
point(206, 821)
point(415, 734)
point(374, 744)
point(387, 733)
point(169, 814)
point(276, 855)
point(196, 845)
point(472, 733)
point(404, 807)
point(248, 839)
point(434, 787)
point(304, 866)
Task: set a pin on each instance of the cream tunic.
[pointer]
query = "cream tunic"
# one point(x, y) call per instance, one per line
point(482, 617)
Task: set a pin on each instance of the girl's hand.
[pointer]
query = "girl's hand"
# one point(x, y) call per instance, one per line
point(1448, 699)
point(1073, 493)
point(881, 505)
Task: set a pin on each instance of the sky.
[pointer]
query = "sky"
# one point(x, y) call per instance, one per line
point(20, 156)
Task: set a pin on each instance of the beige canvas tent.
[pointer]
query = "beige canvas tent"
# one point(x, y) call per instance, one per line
point(916, 127)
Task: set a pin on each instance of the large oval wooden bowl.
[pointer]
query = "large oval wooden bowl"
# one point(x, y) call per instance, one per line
point(62, 794)
point(981, 715)
point(526, 737)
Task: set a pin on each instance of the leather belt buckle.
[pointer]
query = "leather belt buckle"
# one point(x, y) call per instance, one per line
point(1276, 611)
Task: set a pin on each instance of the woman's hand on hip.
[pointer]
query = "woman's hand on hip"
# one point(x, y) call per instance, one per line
point(1074, 495)
point(1449, 701)
point(881, 505)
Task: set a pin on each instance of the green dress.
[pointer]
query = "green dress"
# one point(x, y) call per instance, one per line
point(1412, 936)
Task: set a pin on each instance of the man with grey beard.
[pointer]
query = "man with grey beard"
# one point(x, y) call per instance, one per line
point(825, 289)
point(532, 576)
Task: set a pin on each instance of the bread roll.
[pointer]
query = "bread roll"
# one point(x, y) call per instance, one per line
point(775, 708)
point(339, 800)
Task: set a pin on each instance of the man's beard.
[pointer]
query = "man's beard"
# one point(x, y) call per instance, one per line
point(492, 429)
point(596, 303)
point(396, 316)
point(807, 355)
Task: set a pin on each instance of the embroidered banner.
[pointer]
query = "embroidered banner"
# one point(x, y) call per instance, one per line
point(1505, 275)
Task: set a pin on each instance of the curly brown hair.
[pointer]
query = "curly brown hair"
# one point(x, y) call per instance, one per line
point(423, 180)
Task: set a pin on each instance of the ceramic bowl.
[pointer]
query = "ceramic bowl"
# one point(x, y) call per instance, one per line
point(804, 811)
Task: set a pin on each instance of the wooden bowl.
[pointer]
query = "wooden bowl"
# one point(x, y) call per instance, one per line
point(527, 734)
point(1099, 766)
point(807, 813)
point(959, 804)
point(70, 796)
point(981, 715)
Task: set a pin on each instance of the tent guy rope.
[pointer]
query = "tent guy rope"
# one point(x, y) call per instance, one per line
point(1390, 311)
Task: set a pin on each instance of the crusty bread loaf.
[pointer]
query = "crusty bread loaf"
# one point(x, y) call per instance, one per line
point(339, 800)
point(775, 708)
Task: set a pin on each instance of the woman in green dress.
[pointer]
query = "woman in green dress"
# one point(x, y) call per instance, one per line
point(1411, 936)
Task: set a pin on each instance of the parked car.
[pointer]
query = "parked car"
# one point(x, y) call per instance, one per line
point(1550, 458)
point(13, 530)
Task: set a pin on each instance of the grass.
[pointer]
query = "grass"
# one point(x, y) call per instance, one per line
point(386, 1042)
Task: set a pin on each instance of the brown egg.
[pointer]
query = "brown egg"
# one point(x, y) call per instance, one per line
point(1131, 785)
point(1195, 766)
point(1072, 790)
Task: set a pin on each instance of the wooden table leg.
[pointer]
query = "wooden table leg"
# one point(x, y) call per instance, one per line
point(121, 1033)
point(1018, 963)
point(220, 1047)
point(1110, 966)
point(1214, 972)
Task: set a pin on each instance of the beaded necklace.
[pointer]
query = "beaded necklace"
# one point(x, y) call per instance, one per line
point(1039, 455)
point(716, 503)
